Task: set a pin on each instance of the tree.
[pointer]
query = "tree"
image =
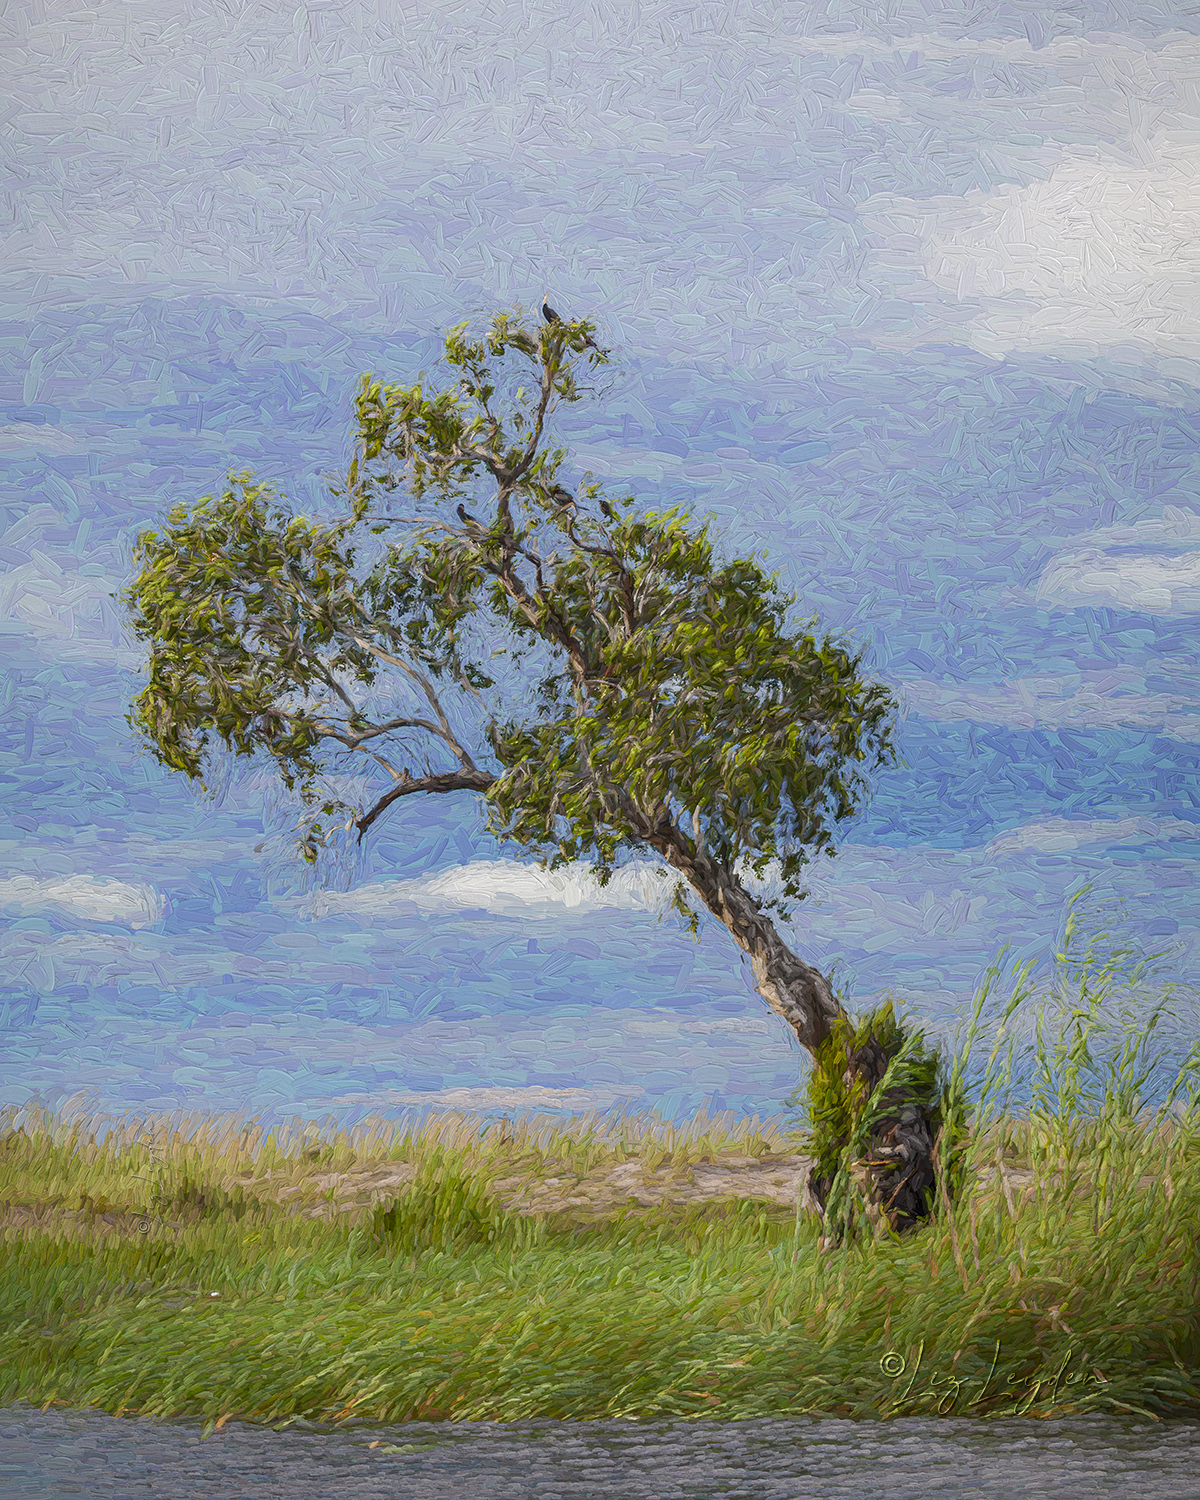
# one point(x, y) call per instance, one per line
point(677, 714)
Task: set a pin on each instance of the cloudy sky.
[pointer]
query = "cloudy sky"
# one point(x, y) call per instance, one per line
point(908, 299)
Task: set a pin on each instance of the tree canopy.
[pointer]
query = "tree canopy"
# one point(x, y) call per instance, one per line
point(675, 709)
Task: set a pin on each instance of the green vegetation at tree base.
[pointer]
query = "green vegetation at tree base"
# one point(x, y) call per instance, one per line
point(842, 1109)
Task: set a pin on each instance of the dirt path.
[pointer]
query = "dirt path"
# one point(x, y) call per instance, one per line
point(327, 1195)
point(596, 1193)
point(778, 1179)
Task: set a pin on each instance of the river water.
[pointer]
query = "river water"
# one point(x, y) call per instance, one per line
point(88, 1455)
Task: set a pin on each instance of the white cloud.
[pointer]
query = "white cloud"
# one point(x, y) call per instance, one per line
point(753, 1024)
point(35, 437)
point(1066, 835)
point(1175, 48)
point(531, 1098)
point(1103, 253)
point(230, 151)
point(1078, 701)
point(1152, 566)
point(70, 612)
point(90, 897)
point(500, 886)
point(512, 889)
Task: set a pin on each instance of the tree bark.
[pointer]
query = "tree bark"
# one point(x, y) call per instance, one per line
point(896, 1174)
point(793, 989)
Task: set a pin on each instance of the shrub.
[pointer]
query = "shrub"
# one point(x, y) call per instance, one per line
point(445, 1208)
point(843, 1111)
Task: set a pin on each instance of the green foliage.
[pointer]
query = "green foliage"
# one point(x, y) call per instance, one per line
point(1094, 973)
point(440, 440)
point(1010, 1305)
point(1076, 1293)
point(1071, 1290)
point(247, 610)
point(445, 1208)
point(836, 1103)
point(706, 705)
point(675, 691)
point(841, 1109)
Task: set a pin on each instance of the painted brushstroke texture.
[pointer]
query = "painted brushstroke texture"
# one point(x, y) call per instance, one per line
point(907, 296)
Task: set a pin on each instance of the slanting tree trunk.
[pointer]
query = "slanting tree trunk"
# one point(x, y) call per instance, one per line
point(896, 1173)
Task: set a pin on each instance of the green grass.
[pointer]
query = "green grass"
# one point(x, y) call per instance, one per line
point(1078, 1292)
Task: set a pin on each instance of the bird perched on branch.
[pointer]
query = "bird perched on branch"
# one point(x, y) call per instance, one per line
point(466, 517)
point(561, 497)
point(552, 317)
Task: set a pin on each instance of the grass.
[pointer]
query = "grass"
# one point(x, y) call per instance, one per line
point(1075, 1291)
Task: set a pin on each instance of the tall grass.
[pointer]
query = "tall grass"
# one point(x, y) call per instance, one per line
point(147, 1166)
point(1074, 1288)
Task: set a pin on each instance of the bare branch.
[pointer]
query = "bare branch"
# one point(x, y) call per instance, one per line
point(549, 370)
point(442, 781)
point(387, 766)
point(354, 740)
point(444, 732)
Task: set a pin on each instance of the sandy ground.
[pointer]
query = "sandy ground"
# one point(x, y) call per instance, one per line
point(324, 1194)
point(774, 1179)
point(778, 1179)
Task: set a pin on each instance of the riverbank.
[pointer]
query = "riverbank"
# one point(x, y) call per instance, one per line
point(594, 1269)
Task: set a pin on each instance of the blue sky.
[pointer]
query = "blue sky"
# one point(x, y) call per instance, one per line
point(907, 300)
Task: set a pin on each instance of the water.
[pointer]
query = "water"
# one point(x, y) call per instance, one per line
point(87, 1455)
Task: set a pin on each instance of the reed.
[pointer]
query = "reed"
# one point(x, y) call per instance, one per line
point(1063, 1275)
